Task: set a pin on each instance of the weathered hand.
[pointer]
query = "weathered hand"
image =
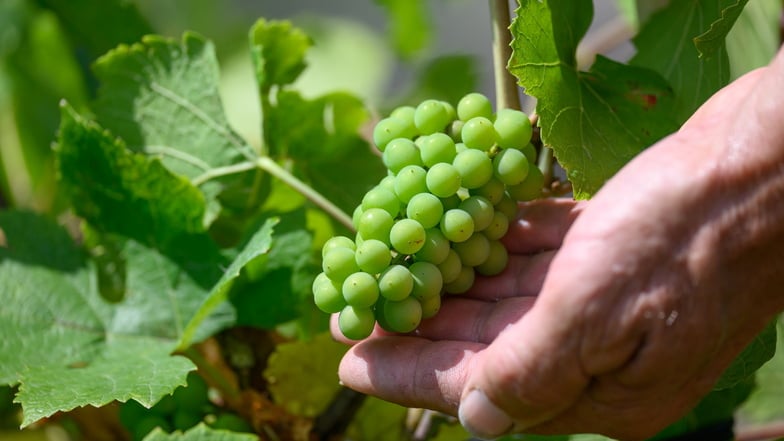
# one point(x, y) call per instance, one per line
point(615, 316)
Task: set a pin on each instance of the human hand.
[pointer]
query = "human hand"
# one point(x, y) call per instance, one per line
point(615, 316)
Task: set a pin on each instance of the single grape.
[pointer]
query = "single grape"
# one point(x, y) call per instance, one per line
point(473, 105)
point(388, 129)
point(405, 114)
point(496, 260)
point(427, 280)
point(451, 202)
point(426, 209)
point(410, 181)
point(355, 216)
point(373, 256)
point(360, 290)
point(493, 191)
point(508, 206)
point(435, 249)
point(443, 180)
point(498, 226)
point(510, 166)
point(400, 153)
point(388, 182)
point(436, 148)
point(356, 323)
point(463, 282)
point(431, 116)
point(339, 263)
point(407, 236)
point(451, 112)
point(336, 242)
point(454, 129)
point(480, 209)
point(401, 316)
point(457, 225)
point(430, 306)
point(395, 283)
point(451, 266)
point(375, 223)
point(530, 188)
point(327, 294)
point(475, 168)
point(513, 127)
point(530, 152)
point(479, 133)
point(473, 251)
point(379, 197)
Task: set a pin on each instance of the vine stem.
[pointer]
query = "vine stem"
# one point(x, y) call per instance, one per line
point(506, 91)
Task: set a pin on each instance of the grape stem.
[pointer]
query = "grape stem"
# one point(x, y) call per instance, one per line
point(506, 92)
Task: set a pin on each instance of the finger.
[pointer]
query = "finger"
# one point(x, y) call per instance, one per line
point(410, 371)
point(471, 320)
point(541, 225)
point(523, 276)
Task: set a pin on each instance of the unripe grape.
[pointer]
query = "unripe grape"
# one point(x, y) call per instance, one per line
point(451, 266)
point(339, 263)
point(379, 197)
point(457, 225)
point(407, 236)
point(356, 323)
point(443, 180)
point(436, 148)
point(373, 256)
point(530, 152)
point(427, 280)
point(473, 251)
point(431, 116)
point(435, 249)
point(360, 290)
point(513, 127)
point(426, 209)
point(508, 206)
point(395, 283)
point(475, 168)
point(510, 166)
point(463, 282)
point(480, 209)
point(388, 129)
point(496, 260)
point(401, 316)
point(327, 294)
point(493, 191)
point(479, 133)
point(336, 242)
point(498, 226)
point(405, 114)
point(400, 153)
point(411, 181)
point(430, 306)
point(375, 223)
point(530, 188)
point(474, 104)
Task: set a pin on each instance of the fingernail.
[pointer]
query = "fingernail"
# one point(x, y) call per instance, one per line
point(481, 417)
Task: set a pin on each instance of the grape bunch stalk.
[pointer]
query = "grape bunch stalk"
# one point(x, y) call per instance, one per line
point(455, 176)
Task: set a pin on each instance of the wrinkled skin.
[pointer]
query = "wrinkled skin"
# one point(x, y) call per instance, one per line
point(615, 316)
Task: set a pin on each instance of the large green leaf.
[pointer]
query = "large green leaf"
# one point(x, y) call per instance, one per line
point(200, 432)
point(693, 59)
point(124, 192)
point(595, 121)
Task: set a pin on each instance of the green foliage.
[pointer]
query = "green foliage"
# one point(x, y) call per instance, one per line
point(200, 432)
point(409, 25)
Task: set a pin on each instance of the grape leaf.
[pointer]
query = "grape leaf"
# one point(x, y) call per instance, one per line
point(754, 40)
point(765, 403)
point(595, 121)
point(694, 59)
point(121, 191)
point(200, 432)
point(278, 51)
point(63, 343)
point(757, 353)
point(409, 25)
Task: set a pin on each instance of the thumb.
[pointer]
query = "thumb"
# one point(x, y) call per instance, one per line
point(528, 375)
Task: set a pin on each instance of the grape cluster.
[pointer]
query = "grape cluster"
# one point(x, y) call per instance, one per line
point(436, 220)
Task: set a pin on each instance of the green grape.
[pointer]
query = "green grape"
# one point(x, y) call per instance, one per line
point(436, 148)
point(426, 209)
point(183, 419)
point(356, 323)
point(231, 422)
point(395, 283)
point(360, 290)
point(355, 216)
point(382, 198)
point(508, 206)
point(388, 182)
point(498, 226)
point(450, 202)
point(475, 168)
point(451, 112)
point(405, 114)
point(463, 282)
point(435, 249)
point(327, 294)
point(530, 188)
point(450, 267)
point(401, 316)
point(400, 153)
point(513, 127)
point(375, 223)
point(337, 242)
point(480, 209)
point(193, 397)
point(460, 147)
point(473, 105)
point(454, 129)
point(493, 191)
point(430, 306)
point(427, 280)
point(510, 166)
point(443, 180)
point(530, 152)
point(457, 225)
point(479, 133)
point(496, 261)
point(473, 251)
point(373, 256)
point(148, 424)
point(339, 263)
point(431, 116)
point(388, 129)
point(410, 181)
point(407, 236)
